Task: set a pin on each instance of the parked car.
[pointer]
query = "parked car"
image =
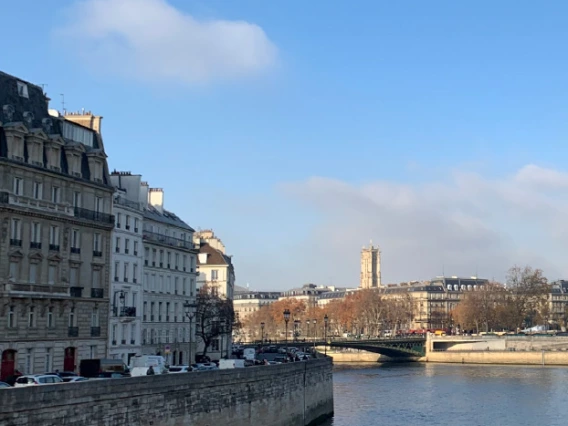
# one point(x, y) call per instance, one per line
point(37, 379)
point(75, 379)
point(64, 375)
point(4, 385)
point(180, 369)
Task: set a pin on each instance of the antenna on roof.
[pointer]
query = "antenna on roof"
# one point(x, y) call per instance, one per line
point(63, 102)
point(43, 86)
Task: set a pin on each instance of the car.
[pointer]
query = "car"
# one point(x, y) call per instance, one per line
point(4, 385)
point(37, 379)
point(180, 369)
point(75, 379)
point(63, 374)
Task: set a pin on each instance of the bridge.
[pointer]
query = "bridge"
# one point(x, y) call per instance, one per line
point(401, 347)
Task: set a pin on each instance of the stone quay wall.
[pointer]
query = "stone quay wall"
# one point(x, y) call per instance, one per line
point(294, 394)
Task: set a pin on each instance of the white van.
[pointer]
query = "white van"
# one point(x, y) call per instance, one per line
point(231, 363)
point(249, 354)
point(139, 365)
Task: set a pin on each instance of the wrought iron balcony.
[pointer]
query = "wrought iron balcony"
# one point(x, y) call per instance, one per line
point(128, 311)
point(76, 291)
point(97, 293)
point(39, 288)
point(54, 247)
point(97, 253)
point(16, 243)
point(34, 203)
point(95, 331)
point(75, 250)
point(34, 245)
point(73, 332)
point(170, 241)
point(94, 215)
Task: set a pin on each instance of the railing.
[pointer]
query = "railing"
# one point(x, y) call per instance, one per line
point(20, 200)
point(128, 311)
point(75, 250)
point(124, 202)
point(34, 245)
point(39, 288)
point(97, 293)
point(93, 215)
point(95, 332)
point(76, 291)
point(54, 247)
point(73, 332)
point(170, 241)
point(97, 253)
point(16, 243)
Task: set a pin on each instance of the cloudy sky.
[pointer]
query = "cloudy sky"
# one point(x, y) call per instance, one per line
point(300, 131)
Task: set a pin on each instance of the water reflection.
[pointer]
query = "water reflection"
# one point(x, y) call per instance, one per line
point(443, 394)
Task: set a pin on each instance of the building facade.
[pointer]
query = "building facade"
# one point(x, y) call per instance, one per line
point(55, 211)
point(170, 274)
point(217, 273)
point(127, 260)
point(370, 267)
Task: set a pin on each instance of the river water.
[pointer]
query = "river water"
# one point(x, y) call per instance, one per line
point(419, 394)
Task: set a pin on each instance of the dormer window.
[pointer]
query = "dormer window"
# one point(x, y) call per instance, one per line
point(23, 90)
point(15, 141)
point(96, 161)
point(53, 153)
point(34, 142)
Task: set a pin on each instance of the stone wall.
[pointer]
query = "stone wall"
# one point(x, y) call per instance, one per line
point(295, 394)
point(500, 357)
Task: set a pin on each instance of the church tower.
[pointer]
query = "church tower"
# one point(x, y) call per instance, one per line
point(370, 267)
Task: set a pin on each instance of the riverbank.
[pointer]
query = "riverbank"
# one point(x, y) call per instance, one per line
point(499, 357)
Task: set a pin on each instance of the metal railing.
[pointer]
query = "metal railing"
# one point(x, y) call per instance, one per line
point(94, 215)
point(76, 291)
point(170, 241)
point(73, 332)
point(95, 332)
point(39, 288)
point(128, 311)
point(97, 293)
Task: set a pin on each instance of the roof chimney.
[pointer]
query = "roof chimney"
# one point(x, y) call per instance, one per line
point(156, 198)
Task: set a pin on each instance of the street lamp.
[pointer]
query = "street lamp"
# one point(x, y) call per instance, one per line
point(121, 298)
point(286, 319)
point(315, 321)
point(262, 331)
point(296, 324)
point(308, 330)
point(325, 320)
point(190, 308)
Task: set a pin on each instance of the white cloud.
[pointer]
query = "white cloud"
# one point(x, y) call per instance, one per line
point(153, 41)
point(468, 224)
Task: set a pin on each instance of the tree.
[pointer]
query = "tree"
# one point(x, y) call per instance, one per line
point(528, 290)
point(214, 317)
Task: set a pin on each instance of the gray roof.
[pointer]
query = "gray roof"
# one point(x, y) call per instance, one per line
point(167, 217)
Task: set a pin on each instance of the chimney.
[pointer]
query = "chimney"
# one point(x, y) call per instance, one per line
point(156, 198)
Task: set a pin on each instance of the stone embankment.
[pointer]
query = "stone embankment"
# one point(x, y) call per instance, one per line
point(294, 394)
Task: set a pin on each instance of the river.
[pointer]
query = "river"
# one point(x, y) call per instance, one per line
point(419, 394)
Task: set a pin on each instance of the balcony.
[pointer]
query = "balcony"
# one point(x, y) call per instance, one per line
point(132, 342)
point(97, 293)
point(75, 250)
point(97, 253)
point(16, 243)
point(34, 203)
point(114, 342)
point(34, 245)
point(94, 216)
point(76, 291)
point(128, 311)
point(38, 288)
point(73, 332)
point(123, 342)
point(169, 241)
point(95, 332)
point(54, 247)
point(124, 202)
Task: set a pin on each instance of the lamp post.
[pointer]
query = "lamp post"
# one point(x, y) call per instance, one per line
point(315, 321)
point(262, 332)
point(308, 330)
point(296, 324)
point(286, 319)
point(190, 308)
point(325, 320)
point(121, 298)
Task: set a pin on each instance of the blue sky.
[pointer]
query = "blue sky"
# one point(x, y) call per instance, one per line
point(303, 109)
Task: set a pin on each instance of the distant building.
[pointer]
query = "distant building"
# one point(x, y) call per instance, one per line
point(309, 293)
point(370, 267)
point(249, 302)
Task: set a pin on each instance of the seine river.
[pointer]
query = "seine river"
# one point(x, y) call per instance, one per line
point(445, 394)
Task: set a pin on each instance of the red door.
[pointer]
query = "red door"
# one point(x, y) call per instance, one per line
point(8, 364)
point(69, 359)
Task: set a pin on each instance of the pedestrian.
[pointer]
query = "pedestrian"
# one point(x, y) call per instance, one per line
point(150, 371)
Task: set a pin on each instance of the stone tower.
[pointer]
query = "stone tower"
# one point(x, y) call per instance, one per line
point(370, 267)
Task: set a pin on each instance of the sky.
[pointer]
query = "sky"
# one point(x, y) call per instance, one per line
point(302, 131)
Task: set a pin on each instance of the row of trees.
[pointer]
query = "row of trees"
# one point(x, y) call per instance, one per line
point(522, 302)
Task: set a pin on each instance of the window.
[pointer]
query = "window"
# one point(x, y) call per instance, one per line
point(184, 260)
point(159, 311)
point(54, 237)
point(95, 318)
point(55, 194)
point(177, 260)
point(126, 245)
point(214, 274)
point(123, 337)
point(117, 246)
point(127, 222)
point(23, 92)
point(31, 316)
point(33, 273)
point(145, 310)
point(38, 190)
point(14, 270)
point(118, 219)
point(49, 318)
point(75, 239)
point(36, 232)
point(76, 199)
point(135, 225)
point(96, 276)
point(125, 272)
point(116, 268)
point(176, 284)
point(169, 258)
point(93, 351)
point(47, 359)
point(18, 186)
point(184, 284)
point(113, 334)
point(11, 317)
point(52, 274)
point(167, 311)
point(72, 317)
point(134, 272)
point(133, 334)
point(98, 204)
point(73, 276)
point(135, 248)
point(29, 361)
point(97, 243)
point(16, 231)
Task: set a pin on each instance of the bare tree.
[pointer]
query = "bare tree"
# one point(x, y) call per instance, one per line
point(214, 318)
point(529, 290)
